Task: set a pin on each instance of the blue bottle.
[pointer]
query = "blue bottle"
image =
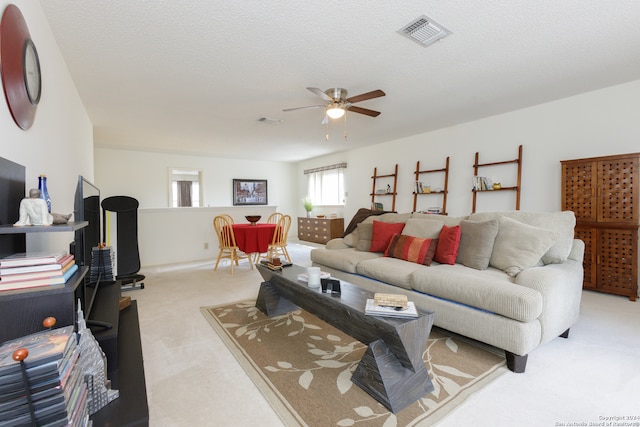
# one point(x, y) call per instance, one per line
point(44, 193)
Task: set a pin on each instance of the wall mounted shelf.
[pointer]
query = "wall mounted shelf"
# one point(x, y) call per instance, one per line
point(517, 188)
point(26, 229)
point(393, 193)
point(443, 192)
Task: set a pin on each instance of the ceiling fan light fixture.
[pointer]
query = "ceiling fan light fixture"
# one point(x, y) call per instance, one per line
point(335, 111)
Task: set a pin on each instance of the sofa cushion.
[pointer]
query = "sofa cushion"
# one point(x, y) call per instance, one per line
point(389, 270)
point(423, 228)
point(341, 259)
point(364, 233)
point(382, 233)
point(351, 239)
point(491, 290)
point(519, 246)
point(389, 217)
point(449, 221)
point(412, 249)
point(476, 243)
point(448, 242)
point(562, 222)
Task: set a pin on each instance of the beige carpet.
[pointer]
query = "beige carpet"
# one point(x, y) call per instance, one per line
point(303, 367)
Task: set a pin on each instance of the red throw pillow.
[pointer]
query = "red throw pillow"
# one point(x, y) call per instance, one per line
point(382, 233)
point(448, 243)
point(412, 249)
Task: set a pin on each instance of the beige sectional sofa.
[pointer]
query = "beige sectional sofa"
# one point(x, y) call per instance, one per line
point(516, 282)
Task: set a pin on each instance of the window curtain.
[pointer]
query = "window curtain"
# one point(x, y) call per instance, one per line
point(325, 185)
point(184, 194)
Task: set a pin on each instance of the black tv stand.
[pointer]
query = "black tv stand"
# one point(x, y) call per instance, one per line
point(89, 307)
point(125, 368)
point(99, 324)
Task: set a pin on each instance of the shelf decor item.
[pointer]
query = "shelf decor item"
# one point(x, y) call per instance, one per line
point(44, 192)
point(308, 206)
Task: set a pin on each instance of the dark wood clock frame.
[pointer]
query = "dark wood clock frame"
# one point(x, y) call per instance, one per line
point(14, 37)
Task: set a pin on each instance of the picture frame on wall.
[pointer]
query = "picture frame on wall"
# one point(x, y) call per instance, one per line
point(249, 192)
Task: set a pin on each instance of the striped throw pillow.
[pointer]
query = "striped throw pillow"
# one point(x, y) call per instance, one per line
point(412, 249)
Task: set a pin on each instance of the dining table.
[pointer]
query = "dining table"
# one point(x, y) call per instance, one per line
point(253, 238)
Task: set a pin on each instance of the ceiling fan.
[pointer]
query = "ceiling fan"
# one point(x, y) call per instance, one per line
point(337, 102)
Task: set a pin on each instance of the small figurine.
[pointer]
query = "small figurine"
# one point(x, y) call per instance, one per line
point(60, 218)
point(34, 211)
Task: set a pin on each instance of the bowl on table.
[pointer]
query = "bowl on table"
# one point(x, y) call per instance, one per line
point(253, 219)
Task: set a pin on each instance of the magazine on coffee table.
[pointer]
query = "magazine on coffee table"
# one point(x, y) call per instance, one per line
point(373, 310)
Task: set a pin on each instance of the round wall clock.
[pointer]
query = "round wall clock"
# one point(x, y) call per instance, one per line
point(20, 67)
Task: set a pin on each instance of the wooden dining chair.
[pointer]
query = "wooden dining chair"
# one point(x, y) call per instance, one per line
point(274, 218)
point(278, 244)
point(227, 242)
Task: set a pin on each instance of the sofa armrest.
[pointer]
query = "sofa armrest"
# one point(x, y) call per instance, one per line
point(337, 243)
point(577, 250)
point(561, 288)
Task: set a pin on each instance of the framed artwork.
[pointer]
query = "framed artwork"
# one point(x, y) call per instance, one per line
point(249, 192)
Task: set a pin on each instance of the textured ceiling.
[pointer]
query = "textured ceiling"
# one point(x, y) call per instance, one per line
point(194, 77)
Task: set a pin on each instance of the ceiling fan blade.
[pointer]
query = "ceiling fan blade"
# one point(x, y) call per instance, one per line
point(320, 93)
point(304, 108)
point(364, 96)
point(364, 111)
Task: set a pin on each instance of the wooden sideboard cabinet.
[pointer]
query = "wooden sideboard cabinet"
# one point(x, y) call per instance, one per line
point(320, 230)
point(603, 193)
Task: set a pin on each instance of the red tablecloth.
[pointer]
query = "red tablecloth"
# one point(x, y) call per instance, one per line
point(253, 238)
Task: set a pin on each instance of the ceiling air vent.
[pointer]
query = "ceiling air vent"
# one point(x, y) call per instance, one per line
point(424, 31)
point(270, 121)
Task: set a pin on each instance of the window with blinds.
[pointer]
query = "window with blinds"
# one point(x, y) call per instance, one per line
point(325, 185)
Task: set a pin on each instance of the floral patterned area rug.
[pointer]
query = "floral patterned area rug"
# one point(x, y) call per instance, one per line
point(303, 367)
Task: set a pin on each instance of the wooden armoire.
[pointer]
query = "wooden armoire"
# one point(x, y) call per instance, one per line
point(603, 194)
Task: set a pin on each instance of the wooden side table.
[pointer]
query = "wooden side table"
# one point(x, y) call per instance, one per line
point(320, 230)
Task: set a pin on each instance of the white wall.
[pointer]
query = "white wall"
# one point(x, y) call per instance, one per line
point(167, 235)
point(60, 142)
point(597, 123)
point(603, 122)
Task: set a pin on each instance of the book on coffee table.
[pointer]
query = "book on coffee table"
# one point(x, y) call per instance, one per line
point(372, 309)
point(390, 300)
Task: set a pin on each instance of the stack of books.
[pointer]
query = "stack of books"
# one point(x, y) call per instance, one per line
point(55, 382)
point(28, 270)
point(102, 262)
point(482, 183)
point(390, 305)
point(94, 366)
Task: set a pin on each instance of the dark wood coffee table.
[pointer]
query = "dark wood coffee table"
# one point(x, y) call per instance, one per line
point(392, 370)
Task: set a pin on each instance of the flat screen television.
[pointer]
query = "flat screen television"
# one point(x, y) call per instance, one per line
point(86, 207)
